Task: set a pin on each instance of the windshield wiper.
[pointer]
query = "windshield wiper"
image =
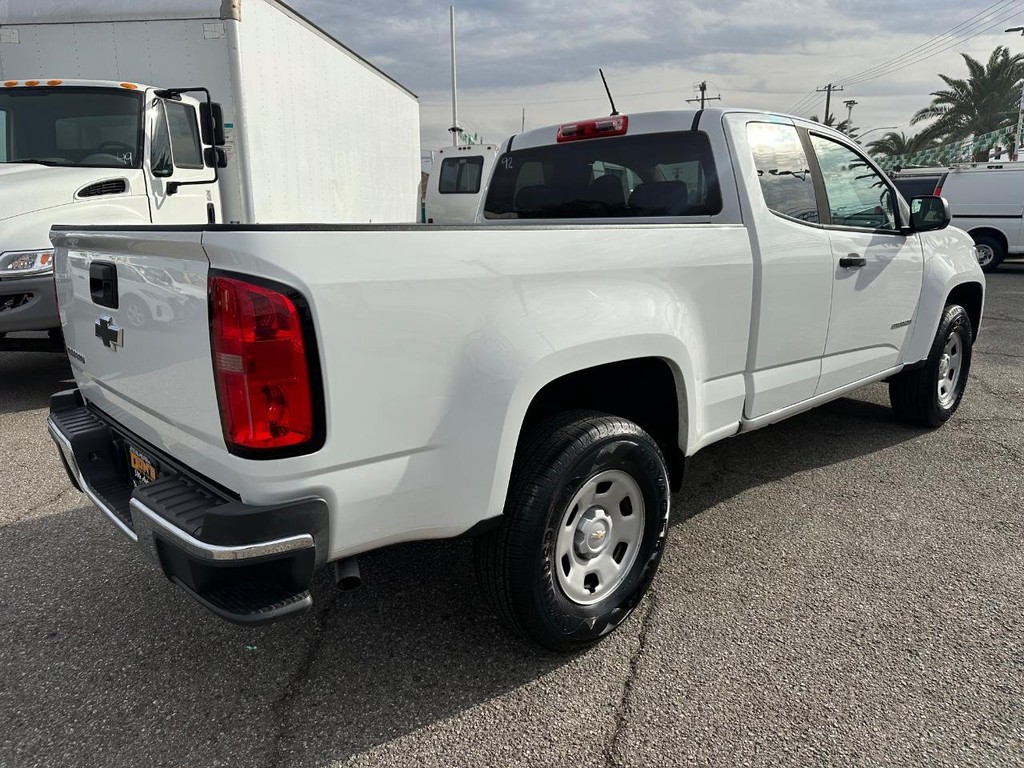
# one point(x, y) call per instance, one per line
point(34, 160)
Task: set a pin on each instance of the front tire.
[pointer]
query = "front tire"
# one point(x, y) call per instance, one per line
point(583, 531)
point(929, 395)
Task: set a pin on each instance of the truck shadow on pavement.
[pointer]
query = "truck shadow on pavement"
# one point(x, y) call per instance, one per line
point(27, 379)
point(134, 670)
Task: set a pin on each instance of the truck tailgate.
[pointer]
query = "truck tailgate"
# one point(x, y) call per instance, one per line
point(136, 326)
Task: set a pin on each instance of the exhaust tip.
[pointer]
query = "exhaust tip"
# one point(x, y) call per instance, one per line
point(346, 574)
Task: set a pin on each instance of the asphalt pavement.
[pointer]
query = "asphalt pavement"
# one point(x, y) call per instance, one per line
point(838, 589)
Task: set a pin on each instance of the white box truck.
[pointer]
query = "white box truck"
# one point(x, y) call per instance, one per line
point(100, 123)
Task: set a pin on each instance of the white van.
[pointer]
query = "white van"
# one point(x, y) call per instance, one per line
point(988, 202)
point(457, 181)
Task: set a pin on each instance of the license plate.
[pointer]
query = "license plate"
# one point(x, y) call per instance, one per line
point(143, 469)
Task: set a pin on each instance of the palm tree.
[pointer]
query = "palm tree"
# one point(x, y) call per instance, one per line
point(843, 126)
point(987, 100)
point(894, 144)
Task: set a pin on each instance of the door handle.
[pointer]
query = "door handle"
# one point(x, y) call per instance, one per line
point(853, 260)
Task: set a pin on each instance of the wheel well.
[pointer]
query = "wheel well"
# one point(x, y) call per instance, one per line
point(997, 234)
point(643, 390)
point(969, 296)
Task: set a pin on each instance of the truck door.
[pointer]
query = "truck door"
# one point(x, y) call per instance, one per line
point(877, 271)
point(793, 268)
point(176, 155)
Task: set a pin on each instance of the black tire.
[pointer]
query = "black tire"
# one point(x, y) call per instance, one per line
point(915, 395)
point(516, 563)
point(991, 251)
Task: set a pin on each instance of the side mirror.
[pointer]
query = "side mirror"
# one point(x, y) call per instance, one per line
point(215, 157)
point(211, 123)
point(929, 213)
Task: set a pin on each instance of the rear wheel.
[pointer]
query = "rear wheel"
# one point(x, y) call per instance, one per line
point(929, 395)
point(991, 252)
point(583, 531)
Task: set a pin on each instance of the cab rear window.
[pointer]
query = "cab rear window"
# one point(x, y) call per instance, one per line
point(645, 175)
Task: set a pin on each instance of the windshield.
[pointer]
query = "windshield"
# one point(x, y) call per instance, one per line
point(82, 127)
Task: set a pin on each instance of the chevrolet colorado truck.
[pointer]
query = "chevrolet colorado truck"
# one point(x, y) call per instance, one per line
point(641, 286)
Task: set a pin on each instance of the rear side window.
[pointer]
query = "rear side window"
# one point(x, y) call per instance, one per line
point(460, 175)
point(3, 135)
point(185, 145)
point(783, 170)
point(659, 174)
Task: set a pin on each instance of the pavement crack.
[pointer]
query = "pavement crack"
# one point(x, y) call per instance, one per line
point(282, 702)
point(612, 753)
point(28, 512)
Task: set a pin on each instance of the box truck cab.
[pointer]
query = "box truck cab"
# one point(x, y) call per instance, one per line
point(312, 131)
point(93, 152)
point(457, 183)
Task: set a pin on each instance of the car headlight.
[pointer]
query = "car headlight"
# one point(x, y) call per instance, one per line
point(26, 263)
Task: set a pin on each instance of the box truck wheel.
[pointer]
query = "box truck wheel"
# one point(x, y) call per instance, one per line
point(927, 396)
point(583, 530)
point(991, 251)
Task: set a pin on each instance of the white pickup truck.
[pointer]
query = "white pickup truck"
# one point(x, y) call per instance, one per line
point(644, 286)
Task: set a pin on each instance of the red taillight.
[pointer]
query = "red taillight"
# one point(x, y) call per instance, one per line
point(938, 190)
point(261, 367)
point(591, 129)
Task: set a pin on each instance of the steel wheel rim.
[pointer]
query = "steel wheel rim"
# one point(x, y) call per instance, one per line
point(950, 368)
point(985, 255)
point(598, 538)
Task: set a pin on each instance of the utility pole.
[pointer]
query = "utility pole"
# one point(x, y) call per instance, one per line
point(827, 90)
point(702, 86)
point(1018, 137)
point(850, 104)
point(455, 130)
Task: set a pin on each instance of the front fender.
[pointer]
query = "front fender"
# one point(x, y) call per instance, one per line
point(949, 261)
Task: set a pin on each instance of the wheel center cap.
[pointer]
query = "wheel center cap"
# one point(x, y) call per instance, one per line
point(593, 532)
point(944, 366)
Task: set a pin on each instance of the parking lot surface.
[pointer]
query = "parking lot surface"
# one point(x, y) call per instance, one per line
point(838, 589)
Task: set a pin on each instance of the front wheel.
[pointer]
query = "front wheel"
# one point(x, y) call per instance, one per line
point(929, 395)
point(583, 531)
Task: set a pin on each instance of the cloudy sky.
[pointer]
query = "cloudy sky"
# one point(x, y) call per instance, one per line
point(770, 54)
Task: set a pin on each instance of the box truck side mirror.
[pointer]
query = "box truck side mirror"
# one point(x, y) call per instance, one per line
point(215, 157)
point(211, 122)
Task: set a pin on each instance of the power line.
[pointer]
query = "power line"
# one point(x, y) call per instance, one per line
point(959, 31)
point(997, 23)
point(956, 35)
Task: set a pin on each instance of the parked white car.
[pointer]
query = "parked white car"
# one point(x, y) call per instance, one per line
point(644, 286)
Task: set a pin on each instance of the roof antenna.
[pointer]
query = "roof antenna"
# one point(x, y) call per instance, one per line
point(608, 91)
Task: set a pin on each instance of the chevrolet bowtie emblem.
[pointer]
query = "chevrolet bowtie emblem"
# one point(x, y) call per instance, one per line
point(598, 535)
point(111, 334)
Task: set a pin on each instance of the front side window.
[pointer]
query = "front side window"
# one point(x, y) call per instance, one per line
point(858, 196)
point(160, 150)
point(645, 175)
point(185, 145)
point(71, 126)
point(783, 171)
point(460, 175)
